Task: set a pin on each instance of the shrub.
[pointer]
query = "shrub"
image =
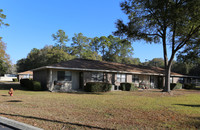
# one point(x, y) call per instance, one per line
point(30, 84)
point(15, 80)
point(175, 86)
point(24, 83)
point(36, 86)
point(122, 86)
point(189, 86)
point(127, 87)
point(97, 87)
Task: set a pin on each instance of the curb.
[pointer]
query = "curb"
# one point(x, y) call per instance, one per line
point(17, 125)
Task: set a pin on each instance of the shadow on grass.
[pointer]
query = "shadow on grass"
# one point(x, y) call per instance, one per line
point(14, 101)
point(4, 95)
point(188, 105)
point(56, 121)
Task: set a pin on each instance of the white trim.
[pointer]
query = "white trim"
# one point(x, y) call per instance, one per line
point(185, 76)
point(113, 71)
point(94, 70)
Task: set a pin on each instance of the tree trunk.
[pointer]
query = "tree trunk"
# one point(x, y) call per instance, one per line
point(167, 79)
point(167, 64)
point(168, 73)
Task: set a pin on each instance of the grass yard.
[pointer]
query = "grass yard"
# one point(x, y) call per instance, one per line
point(149, 109)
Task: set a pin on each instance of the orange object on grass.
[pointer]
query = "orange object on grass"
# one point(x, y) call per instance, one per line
point(11, 92)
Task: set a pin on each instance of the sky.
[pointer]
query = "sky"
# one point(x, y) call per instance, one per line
point(32, 22)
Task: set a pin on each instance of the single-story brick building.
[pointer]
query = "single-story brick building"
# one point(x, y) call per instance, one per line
point(74, 74)
point(25, 75)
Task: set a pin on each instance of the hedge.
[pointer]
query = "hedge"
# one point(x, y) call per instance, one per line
point(15, 80)
point(175, 86)
point(189, 86)
point(24, 82)
point(127, 87)
point(97, 87)
point(30, 84)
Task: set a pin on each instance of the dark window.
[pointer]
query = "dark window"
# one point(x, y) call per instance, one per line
point(180, 80)
point(135, 78)
point(61, 75)
point(97, 77)
point(64, 75)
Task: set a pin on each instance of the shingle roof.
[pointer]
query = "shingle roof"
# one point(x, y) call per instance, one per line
point(113, 66)
point(26, 72)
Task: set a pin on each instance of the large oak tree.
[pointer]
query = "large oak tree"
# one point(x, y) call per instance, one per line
point(174, 23)
point(4, 57)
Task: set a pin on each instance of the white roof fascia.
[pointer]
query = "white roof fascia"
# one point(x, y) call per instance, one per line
point(185, 76)
point(112, 71)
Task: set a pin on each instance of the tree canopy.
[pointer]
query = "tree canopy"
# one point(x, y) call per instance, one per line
point(158, 62)
point(5, 62)
point(79, 44)
point(60, 39)
point(188, 60)
point(170, 22)
point(42, 57)
point(109, 48)
point(2, 18)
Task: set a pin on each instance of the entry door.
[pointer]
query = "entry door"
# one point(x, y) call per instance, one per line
point(81, 80)
point(113, 79)
point(160, 82)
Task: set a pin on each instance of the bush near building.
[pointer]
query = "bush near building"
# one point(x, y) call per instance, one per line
point(127, 87)
point(30, 84)
point(15, 80)
point(97, 87)
point(175, 86)
point(189, 86)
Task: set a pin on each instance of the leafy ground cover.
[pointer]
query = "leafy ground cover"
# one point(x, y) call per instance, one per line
point(148, 109)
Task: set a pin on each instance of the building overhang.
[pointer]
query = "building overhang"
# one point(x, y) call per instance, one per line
point(111, 71)
point(185, 76)
point(95, 70)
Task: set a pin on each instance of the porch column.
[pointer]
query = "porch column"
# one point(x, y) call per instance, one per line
point(163, 82)
point(50, 82)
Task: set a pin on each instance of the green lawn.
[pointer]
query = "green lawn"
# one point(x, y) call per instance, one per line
point(150, 109)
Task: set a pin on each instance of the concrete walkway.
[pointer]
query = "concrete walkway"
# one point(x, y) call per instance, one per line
point(8, 124)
